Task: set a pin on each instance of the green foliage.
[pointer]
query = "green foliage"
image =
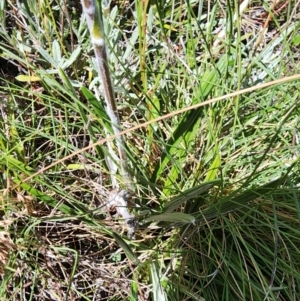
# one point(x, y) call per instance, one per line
point(217, 187)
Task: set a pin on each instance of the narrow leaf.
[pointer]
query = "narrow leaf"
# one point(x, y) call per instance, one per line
point(47, 56)
point(158, 290)
point(74, 56)
point(231, 204)
point(129, 253)
point(56, 51)
point(189, 194)
point(175, 217)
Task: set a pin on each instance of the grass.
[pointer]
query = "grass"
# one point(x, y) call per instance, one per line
point(216, 187)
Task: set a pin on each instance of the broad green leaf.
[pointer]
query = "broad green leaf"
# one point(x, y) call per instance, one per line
point(214, 168)
point(28, 78)
point(175, 217)
point(154, 108)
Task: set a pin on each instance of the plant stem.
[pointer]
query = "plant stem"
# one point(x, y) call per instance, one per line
point(92, 12)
